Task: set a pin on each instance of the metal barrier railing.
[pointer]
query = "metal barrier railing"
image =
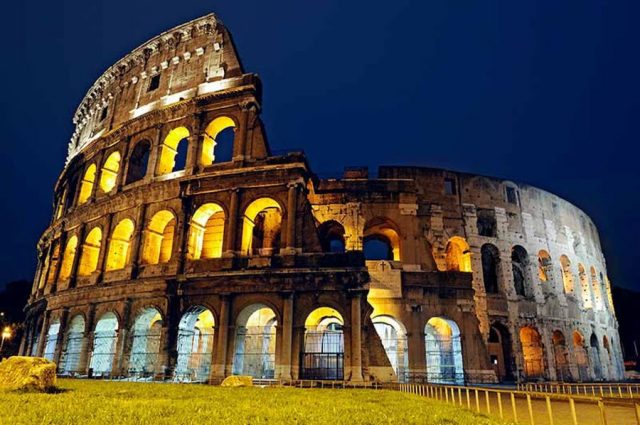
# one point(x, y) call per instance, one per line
point(608, 390)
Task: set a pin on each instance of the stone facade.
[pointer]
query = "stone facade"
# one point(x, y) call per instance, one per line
point(167, 259)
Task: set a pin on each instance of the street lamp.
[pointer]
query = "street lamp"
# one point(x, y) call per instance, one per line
point(6, 334)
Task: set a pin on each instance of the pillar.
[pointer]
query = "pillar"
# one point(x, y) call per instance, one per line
point(222, 337)
point(356, 338)
point(120, 362)
point(43, 334)
point(284, 365)
point(104, 248)
point(292, 200)
point(64, 317)
point(231, 230)
point(240, 142)
point(170, 331)
point(76, 258)
point(136, 243)
point(87, 341)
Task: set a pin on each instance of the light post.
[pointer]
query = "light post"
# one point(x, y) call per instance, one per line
point(6, 334)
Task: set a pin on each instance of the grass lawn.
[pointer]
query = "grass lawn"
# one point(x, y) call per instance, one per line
point(114, 403)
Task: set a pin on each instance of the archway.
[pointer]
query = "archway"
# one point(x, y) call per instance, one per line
point(323, 353)
point(458, 255)
point(118, 254)
point(90, 252)
point(580, 354)
point(261, 227)
point(594, 353)
point(105, 338)
point(444, 351)
point(381, 240)
point(490, 257)
point(158, 239)
point(331, 235)
point(544, 266)
point(138, 162)
point(109, 173)
point(51, 341)
point(394, 340)
point(499, 346)
point(68, 257)
point(70, 358)
point(86, 186)
point(145, 344)
point(206, 232)
point(255, 349)
point(567, 276)
point(520, 270)
point(561, 357)
point(173, 151)
point(532, 352)
point(195, 345)
point(217, 144)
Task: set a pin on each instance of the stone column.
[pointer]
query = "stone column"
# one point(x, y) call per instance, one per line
point(76, 258)
point(170, 343)
point(104, 249)
point(137, 242)
point(415, 339)
point(292, 200)
point(120, 363)
point(240, 139)
point(62, 244)
point(61, 335)
point(232, 226)
point(356, 338)
point(222, 336)
point(43, 334)
point(284, 365)
point(87, 341)
point(297, 347)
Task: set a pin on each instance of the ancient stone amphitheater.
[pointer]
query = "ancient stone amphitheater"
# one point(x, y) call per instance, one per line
point(182, 249)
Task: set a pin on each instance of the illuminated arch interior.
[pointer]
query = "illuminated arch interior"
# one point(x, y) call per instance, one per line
point(323, 356)
point(109, 172)
point(51, 340)
point(532, 352)
point(195, 345)
point(544, 265)
point(458, 255)
point(145, 347)
point(170, 149)
point(68, 257)
point(105, 340)
point(119, 246)
point(209, 143)
point(255, 345)
point(567, 276)
point(393, 335)
point(70, 359)
point(86, 186)
point(158, 240)
point(444, 351)
point(381, 240)
point(206, 232)
point(262, 222)
point(90, 252)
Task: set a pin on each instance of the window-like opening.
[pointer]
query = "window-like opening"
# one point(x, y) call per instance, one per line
point(195, 345)
point(154, 83)
point(512, 195)
point(567, 276)
point(68, 257)
point(255, 348)
point(394, 340)
point(71, 193)
point(532, 352)
point(581, 357)
point(53, 264)
point(86, 186)
point(105, 340)
point(51, 340)
point(490, 267)
point(458, 255)
point(103, 113)
point(173, 152)
point(323, 355)
point(138, 161)
point(544, 266)
point(261, 227)
point(109, 172)
point(450, 186)
point(90, 252)
point(444, 352)
point(520, 270)
point(118, 255)
point(331, 235)
point(158, 238)
point(217, 144)
point(145, 344)
point(561, 357)
point(381, 240)
point(487, 225)
point(594, 353)
point(206, 232)
point(72, 349)
point(499, 346)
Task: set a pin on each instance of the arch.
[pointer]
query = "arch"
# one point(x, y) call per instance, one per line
point(255, 342)
point(444, 351)
point(171, 153)
point(499, 346)
point(51, 340)
point(210, 139)
point(561, 356)
point(145, 344)
point(195, 345)
point(381, 240)
point(544, 266)
point(486, 223)
point(532, 352)
point(86, 186)
point(53, 262)
point(393, 335)
point(206, 232)
point(458, 255)
point(520, 270)
point(261, 227)
point(331, 234)
point(67, 259)
point(323, 354)
point(594, 354)
point(109, 172)
point(158, 239)
point(138, 162)
point(567, 276)
point(119, 245)
point(90, 252)
point(105, 338)
point(490, 257)
point(580, 354)
point(595, 289)
point(585, 289)
point(73, 343)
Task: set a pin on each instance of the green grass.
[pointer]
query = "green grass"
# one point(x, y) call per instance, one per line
point(115, 403)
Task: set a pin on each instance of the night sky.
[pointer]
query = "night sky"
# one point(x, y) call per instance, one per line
point(546, 93)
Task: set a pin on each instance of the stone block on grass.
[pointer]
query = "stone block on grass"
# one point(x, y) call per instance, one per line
point(27, 373)
point(237, 381)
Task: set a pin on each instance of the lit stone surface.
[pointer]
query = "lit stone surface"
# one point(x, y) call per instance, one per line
point(27, 373)
point(237, 381)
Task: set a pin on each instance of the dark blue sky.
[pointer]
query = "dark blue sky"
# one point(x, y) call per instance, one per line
point(546, 93)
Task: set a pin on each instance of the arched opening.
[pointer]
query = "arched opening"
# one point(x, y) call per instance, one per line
point(173, 151)
point(158, 239)
point(105, 338)
point(109, 172)
point(499, 346)
point(580, 353)
point(490, 257)
point(145, 344)
point(195, 345)
point(544, 266)
point(520, 270)
point(119, 245)
point(67, 259)
point(90, 252)
point(381, 240)
point(138, 162)
point(607, 352)
point(35, 338)
point(594, 354)
point(486, 223)
point(70, 358)
point(532, 352)
point(458, 255)
point(595, 289)
point(585, 289)
point(323, 355)
point(53, 263)
point(567, 276)
point(217, 144)
point(331, 235)
point(51, 341)
point(394, 340)
point(444, 351)
point(561, 357)
point(206, 232)
point(255, 349)
point(86, 186)
point(261, 227)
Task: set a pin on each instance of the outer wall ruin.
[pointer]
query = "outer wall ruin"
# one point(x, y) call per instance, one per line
point(181, 248)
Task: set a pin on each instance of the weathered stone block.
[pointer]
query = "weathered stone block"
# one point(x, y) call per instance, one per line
point(237, 381)
point(27, 373)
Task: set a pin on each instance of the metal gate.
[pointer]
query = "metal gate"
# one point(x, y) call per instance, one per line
point(255, 353)
point(444, 359)
point(323, 356)
point(70, 357)
point(194, 355)
point(104, 350)
point(145, 349)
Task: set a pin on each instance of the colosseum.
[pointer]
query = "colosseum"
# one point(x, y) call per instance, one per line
point(182, 249)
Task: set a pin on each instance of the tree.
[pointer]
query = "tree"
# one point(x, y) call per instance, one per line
point(13, 298)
